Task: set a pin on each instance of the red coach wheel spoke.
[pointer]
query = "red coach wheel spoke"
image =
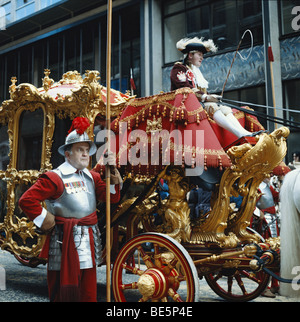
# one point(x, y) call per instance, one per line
point(229, 284)
point(146, 258)
point(157, 256)
point(253, 277)
point(240, 283)
point(175, 296)
point(132, 286)
point(132, 269)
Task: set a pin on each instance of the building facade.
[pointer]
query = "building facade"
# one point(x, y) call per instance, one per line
point(64, 35)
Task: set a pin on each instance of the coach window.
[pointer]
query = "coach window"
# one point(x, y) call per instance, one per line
point(30, 140)
point(4, 160)
point(4, 148)
point(3, 197)
point(62, 127)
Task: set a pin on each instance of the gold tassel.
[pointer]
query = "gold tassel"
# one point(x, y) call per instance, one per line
point(205, 162)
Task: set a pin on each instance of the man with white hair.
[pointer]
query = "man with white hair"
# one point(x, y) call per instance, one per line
point(188, 74)
point(71, 191)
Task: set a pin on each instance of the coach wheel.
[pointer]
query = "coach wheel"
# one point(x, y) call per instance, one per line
point(154, 267)
point(231, 285)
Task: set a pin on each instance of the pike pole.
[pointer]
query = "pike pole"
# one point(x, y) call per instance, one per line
point(107, 168)
point(271, 60)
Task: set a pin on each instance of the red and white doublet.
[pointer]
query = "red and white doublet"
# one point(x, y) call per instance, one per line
point(73, 248)
point(268, 227)
point(266, 203)
point(185, 76)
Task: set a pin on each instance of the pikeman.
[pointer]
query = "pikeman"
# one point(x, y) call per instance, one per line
point(188, 74)
point(73, 246)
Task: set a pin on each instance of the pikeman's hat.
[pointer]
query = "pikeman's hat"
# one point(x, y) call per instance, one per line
point(187, 45)
point(77, 134)
point(281, 170)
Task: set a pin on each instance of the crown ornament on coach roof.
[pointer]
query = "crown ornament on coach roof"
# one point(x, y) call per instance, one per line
point(76, 134)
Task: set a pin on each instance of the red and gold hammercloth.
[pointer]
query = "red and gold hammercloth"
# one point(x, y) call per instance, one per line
point(147, 124)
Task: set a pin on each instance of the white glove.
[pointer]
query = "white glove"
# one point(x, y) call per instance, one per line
point(211, 98)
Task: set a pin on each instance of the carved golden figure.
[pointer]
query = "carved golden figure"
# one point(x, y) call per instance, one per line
point(177, 211)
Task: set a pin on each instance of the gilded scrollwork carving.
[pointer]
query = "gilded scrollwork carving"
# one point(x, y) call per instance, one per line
point(154, 125)
point(24, 93)
point(71, 96)
point(47, 81)
point(250, 166)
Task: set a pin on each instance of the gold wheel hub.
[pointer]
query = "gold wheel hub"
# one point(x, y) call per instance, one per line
point(153, 284)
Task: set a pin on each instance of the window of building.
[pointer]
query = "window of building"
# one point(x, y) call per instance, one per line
point(81, 48)
point(292, 98)
point(250, 17)
point(24, 8)
point(174, 29)
point(253, 95)
point(198, 21)
point(6, 11)
point(290, 16)
point(173, 6)
point(126, 50)
point(291, 101)
point(47, 3)
point(224, 21)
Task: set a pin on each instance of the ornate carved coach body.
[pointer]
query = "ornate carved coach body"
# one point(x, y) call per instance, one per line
point(36, 121)
point(174, 248)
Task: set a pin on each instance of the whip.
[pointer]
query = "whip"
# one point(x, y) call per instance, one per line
point(236, 52)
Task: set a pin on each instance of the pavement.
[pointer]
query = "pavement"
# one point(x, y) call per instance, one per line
point(26, 284)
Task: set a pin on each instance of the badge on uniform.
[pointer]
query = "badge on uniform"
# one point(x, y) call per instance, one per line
point(75, 187)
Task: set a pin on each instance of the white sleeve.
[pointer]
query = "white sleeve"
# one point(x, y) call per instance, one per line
point(38, 221)
point(112, 189)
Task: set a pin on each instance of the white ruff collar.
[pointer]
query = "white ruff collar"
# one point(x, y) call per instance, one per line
point(66, 168)
point(200, 80)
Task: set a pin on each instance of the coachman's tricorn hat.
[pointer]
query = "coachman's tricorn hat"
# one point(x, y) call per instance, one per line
point(77, 134)
point(187, 45)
